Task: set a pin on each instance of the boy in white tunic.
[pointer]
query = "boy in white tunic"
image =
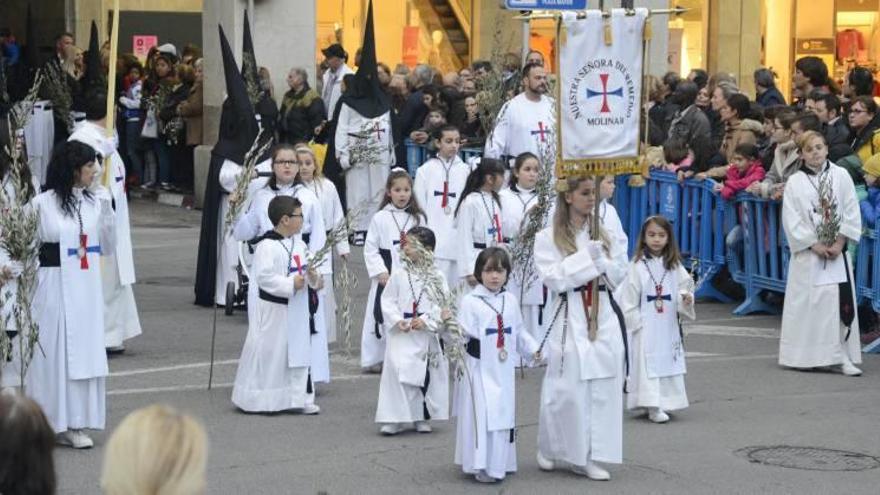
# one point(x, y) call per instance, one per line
point(581, 417)
point(438, 187)
point(820, 326)
point(415, 378)
point(657, 289)
point(485, 444)
point(274, 369)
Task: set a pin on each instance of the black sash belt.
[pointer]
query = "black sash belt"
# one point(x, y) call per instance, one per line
point(473, 348)
point(377, 301)
point(479, 245)
point(50, 254)
point(271, 298)
point(307, 237)
point(313, 309)
point(425, 412)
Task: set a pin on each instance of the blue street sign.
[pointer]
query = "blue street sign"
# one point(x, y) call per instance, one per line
point(545, 4)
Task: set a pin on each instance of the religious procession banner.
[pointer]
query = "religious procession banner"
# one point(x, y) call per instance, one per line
point(600, 92)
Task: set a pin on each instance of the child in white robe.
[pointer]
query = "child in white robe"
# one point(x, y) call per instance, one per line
point(581, 415)
point(820, 326)
point(438, 186)
point(608, 214)
point(516, 201)
point(478, 219)
point(485, 399)
point(657, 289)
point(333, 214)
point(398, 212)
point(274, 372)
point(284, 180)
point(415, 377)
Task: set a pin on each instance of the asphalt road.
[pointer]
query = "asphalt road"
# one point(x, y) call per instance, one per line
point(740, 399)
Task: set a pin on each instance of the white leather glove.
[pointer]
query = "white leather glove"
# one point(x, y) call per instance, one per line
point(597, 253)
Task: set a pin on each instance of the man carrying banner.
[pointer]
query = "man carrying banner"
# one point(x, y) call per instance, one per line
point(525, 121)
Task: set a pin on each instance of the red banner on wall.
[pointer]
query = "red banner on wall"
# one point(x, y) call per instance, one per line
point(411, 46)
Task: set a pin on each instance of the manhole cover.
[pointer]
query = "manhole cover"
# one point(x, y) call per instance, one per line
point(810, 458)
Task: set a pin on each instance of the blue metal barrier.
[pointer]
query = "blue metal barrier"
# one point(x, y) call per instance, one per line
point(765, 252)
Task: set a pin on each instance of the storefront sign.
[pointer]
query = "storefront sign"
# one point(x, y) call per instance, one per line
point(545, 4)
point(815, 46)
point(410, 46)
point(141, 45)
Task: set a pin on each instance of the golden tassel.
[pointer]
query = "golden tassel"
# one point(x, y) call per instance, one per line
point(608, 38)
point(649, 31)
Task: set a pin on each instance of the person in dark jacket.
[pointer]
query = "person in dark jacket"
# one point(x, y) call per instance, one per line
point(302, 109)
point(690, 124)
point(827, 106)
point(765, 86)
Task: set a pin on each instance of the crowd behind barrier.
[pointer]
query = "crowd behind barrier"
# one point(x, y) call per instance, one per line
point(702, 220)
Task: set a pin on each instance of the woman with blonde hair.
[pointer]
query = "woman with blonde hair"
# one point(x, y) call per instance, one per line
point(581, 408)
point(156, 450)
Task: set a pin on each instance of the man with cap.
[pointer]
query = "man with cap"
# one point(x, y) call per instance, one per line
point(217, 256)
point(121, 320)
point(363, 139)
point(335, 57)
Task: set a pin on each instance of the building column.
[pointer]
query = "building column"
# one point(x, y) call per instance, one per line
point(735, 40)
point(657, 62)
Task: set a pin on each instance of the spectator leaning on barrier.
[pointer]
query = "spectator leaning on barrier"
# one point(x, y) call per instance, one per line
point(870, 206)
point(745, 169)
point(739, 130)
point(768, 149)
point(689, 123)
point(785, 158)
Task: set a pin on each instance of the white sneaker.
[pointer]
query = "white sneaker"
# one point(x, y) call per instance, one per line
point(849, 369)
point(544, 463)
point(390, 429)
point(657, 415)
point(483, 477)
point(592, 471)
point(423, 427)
point(311, 409)
point(76, 439)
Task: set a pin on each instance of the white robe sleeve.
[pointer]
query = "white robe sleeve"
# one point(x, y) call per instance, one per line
point(629, 296)
point(432, 317)
point(229, 173)
point(562, 274)
point(422, 187)
point(392, 313)
point(850, 213)
point(268, 278)
point(375, 265)
point(106, 225)
point(318, 235)
point(526, 345)
point(496, 145)
point(799, 230)
point(618, 264)
point(341, 136)
point(248, 225)
point(685, 286)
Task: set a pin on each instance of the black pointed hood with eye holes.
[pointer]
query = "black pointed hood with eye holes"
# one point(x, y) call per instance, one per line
point(238, 125)
point(366, 95)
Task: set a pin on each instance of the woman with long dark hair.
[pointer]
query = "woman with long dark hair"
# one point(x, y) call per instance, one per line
point(76, 225)
point(26, 462)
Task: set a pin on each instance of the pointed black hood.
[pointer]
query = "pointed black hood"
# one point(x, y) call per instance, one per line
point(238, 125)
point(94, 77)
point(366, 96)
point(249, 67)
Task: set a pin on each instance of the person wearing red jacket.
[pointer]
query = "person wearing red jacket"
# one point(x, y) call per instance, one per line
point(745, 170)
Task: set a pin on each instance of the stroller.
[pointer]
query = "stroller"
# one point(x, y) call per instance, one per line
point(237, 297)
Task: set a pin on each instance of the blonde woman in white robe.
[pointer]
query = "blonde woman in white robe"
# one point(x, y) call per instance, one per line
point(815, 332)
point(581, 416)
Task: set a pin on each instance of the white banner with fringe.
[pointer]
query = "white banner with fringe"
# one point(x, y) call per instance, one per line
point(601, 91)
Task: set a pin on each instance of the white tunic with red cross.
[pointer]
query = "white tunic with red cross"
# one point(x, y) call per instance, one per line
point(522, 125)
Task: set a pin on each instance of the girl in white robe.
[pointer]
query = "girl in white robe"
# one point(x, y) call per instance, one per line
point(121, 319)
point(516, 201)
point(439, 184)
point(274, 372)
point(333, 215)
point(67, 375)
point(478, 216)
point(656, 290)
point(608, 214)
point(819, 324)
point(485, 400)
point(415, 377)
point(284, 181)
point(398, 212)
point(581, 415)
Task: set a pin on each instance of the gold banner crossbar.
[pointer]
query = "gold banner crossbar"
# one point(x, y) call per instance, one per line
point(598, 166)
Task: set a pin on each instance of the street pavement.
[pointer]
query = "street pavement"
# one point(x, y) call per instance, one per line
point(740, 400)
